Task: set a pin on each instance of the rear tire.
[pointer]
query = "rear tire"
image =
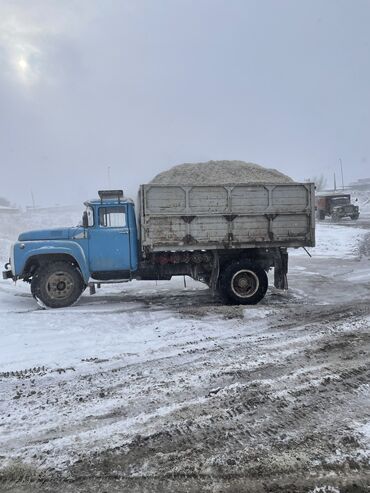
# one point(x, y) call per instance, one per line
point(57, 285)
point(244, 283)
point(354, 217)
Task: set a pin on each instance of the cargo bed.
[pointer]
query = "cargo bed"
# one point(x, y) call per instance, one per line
point(174, 218)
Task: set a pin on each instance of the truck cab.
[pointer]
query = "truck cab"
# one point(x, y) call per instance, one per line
point(58, 263)
point(336, 205)
point(110, 227)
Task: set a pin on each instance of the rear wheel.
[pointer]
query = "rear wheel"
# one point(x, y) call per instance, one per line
point(57, 285)
point(354, 217)
point(244, 283)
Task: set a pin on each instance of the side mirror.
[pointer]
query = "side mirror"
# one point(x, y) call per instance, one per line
point(85, 220)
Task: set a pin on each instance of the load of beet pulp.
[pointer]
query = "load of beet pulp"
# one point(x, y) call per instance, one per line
point(219, 173)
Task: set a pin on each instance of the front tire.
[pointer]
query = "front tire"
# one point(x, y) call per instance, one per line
point(320, 215)
point(57, 284)
point(244, 283)
point(335, 217)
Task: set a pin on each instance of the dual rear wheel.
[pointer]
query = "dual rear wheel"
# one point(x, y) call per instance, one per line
point(244, 283)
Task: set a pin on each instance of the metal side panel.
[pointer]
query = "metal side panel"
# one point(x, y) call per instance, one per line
point(252, 198)
point(161, 200)
point(208, 200)
point(175, 217)
point(250, 229)
point(165, 229)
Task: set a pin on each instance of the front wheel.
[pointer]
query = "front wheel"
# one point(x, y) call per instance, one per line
point(354, 217)
point(320, 215)
point(57, 285)
point(244, 283)
point(335, 217)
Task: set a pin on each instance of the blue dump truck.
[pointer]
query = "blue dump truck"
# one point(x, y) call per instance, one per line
point(227, 236)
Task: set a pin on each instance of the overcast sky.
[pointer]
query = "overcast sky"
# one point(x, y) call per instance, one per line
point(141, 85)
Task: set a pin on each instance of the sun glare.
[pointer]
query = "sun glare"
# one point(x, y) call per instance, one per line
point(23, 64)
point(26, 72)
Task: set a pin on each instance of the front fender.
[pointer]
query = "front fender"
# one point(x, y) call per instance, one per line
point(23, 251)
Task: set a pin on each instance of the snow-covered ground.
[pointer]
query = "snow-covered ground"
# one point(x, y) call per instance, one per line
point(363, 201)
point(335, 241)
point(105, 325)
point(31, 337)
point(154, 380)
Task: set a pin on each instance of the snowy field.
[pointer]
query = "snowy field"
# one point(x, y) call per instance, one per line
point(157, 387)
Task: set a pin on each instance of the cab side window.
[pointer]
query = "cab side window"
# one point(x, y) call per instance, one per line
point(112, 217)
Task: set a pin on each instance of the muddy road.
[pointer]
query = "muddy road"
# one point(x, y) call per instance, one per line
point(272, 398)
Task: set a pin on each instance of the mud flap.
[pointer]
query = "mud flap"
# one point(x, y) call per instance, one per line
point(281, 269)
point(215, 272)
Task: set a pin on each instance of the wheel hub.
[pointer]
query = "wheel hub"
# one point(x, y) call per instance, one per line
point(59, 285)
point(245, 283)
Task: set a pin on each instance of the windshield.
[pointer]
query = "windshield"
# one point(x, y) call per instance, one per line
point(90, 217)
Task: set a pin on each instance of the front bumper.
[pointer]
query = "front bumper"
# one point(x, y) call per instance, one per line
point(7, 274)
point(347, 212)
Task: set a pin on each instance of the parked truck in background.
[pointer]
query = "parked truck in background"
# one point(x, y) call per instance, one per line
point(227, 236)
point(335, 205)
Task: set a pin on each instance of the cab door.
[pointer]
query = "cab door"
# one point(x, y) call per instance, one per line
point(109, 243)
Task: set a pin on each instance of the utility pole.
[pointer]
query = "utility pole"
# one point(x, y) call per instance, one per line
point(33, 200)
point(335, 183)
point(108, 172)
point(341, 170)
